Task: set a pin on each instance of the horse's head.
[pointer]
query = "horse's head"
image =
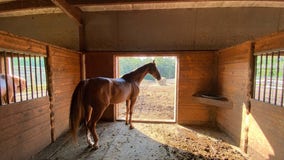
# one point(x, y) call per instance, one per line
point(153, 70)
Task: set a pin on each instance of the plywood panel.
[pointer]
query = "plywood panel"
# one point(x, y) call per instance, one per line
point(233, 77)
point(197, 74)
point(270, 42)
point(265, 136)
point(26, 123)
point(66, 74)
point(266, 131)
point(14, 42)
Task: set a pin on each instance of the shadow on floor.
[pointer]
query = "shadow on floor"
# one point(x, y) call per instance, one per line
point(146, 141)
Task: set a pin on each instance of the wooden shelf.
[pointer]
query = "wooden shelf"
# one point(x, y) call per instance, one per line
point(214, 102)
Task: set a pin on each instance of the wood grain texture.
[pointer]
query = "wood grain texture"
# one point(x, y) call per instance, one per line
point(270, 42)
point(265, 136)
point(26, 126)
point(233, 77)
point(266, 131)
point(66, 74)
point(196, 74)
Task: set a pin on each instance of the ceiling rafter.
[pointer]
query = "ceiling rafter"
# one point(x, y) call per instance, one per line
point(74, 13)
point(32, 7)
point(24, 4)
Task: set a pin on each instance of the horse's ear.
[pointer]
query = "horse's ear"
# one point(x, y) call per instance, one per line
point(154, 61)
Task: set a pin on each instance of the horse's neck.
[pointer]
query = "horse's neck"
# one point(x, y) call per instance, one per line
point(137, 75)
point(140, 77)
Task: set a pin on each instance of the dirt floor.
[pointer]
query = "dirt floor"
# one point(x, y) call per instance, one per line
point(147, 141)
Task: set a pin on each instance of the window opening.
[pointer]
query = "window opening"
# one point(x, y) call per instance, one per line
point(268, 83)
point(22, 76)
point(156, 100)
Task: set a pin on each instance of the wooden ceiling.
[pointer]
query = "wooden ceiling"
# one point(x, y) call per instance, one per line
point(29, 7)
point(75, 8)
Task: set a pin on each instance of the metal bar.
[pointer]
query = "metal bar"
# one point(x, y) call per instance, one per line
point(46, 73)
point(13, 78)
point(6, 78)
point(35, 60)
point(40, 60)
point(254, 77)
point(265, 77)
point(1, 103)
point(282, 95)
point(271, 73)
point(31, 76)
point(19, 71)
point(260, 75)
point(277, 77)
point(25, 68)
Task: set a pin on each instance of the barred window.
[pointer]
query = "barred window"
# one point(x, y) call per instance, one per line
point(268, 83)
point(22, 76)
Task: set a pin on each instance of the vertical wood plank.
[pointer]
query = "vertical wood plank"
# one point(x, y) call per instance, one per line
point(50, 83)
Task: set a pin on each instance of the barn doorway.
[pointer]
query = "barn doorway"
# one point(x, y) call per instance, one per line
point(157, 99)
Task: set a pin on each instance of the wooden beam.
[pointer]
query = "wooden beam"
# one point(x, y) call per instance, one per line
point(74, 13)
point(30, 7)
point(24, 5)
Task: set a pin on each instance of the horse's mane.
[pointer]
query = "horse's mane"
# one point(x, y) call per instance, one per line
point(130, 75)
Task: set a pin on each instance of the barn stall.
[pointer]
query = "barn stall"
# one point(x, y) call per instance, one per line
point(215, 56)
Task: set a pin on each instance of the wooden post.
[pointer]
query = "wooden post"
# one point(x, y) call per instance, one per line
point(50, 92)
point(83, 66)
point(2, 63)
point(74, 13)
point(249, 95)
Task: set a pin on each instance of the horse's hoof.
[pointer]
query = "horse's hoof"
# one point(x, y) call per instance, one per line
point(126, 123)
point(95, 147)
point(131, 127)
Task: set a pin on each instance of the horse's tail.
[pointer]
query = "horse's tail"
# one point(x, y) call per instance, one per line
point(77, 109)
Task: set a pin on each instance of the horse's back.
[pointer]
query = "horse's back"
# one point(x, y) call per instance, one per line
point(108, 90)
point(97, 90)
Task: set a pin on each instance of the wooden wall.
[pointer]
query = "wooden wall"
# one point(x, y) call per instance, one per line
point(101, 64)
point(66, 73)
point(25, 127)
point(257, 127)
point(196, 74)
point(266, 138)
point(233, 80)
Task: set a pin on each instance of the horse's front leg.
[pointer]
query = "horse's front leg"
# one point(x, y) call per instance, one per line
point(127, 111)
point(132, 102)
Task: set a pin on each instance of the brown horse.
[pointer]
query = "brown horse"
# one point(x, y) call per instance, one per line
point(92, 96)
point(19, 85)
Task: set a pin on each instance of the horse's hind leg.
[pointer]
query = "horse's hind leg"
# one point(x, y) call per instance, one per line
point(127, 111)
point(96, 115)
point(88, 132)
